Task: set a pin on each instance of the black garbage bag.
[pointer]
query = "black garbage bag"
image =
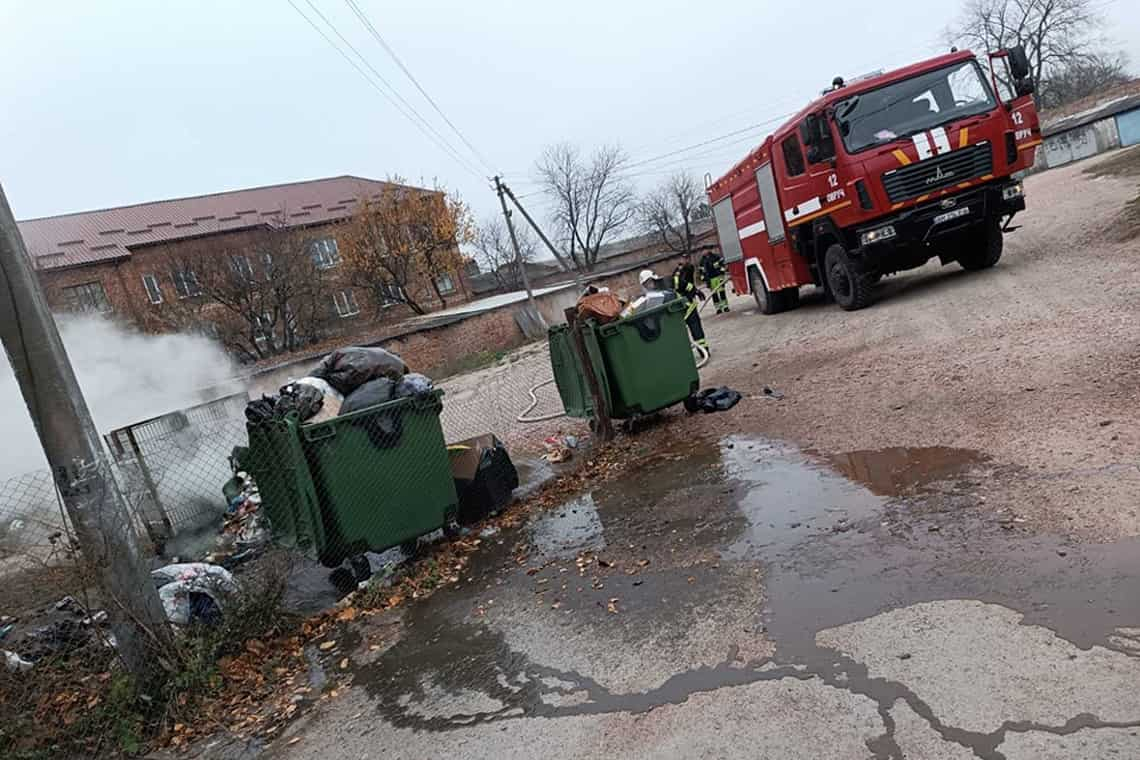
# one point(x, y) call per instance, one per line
point(378, 391)
point(714, 400)
point(484, 476)
point(260, 410)
point(305, 400)
point(346, 369)
point(413, 384)
point(383, 428)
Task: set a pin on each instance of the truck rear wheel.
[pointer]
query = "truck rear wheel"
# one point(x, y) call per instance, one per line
point(767, 301)
point(849, 285)
point(983, 249)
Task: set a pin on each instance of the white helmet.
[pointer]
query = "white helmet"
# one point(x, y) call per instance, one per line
point(645, 276)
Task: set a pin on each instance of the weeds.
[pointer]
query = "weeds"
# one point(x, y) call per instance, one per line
point(81, 703)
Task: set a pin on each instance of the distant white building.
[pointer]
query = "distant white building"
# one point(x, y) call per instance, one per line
point(1112, 122)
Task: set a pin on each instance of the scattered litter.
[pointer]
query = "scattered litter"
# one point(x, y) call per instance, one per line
point(772, 393)
point(558, 448)
point(611, 606)
point(15, 663)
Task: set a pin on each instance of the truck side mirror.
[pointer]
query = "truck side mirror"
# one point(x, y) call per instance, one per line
point(1018, 62)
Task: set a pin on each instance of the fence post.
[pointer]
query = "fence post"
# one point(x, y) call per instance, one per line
point(603, 427)
point(148, 480)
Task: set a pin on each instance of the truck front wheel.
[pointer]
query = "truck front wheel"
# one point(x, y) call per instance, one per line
point(849, 285)
point(983, 248)
point(767, 301)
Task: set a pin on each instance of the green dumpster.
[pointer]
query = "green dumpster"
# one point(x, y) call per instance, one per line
point(648, 359)
point(365, 481)
point(643, 363)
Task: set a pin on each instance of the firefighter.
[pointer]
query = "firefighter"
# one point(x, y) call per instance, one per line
point(713, 273)
point(685, 285)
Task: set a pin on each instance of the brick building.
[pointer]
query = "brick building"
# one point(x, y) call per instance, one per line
point(148, 265)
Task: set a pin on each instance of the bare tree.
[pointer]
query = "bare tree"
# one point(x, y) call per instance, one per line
point(591, 200)
point(495, 254)
point(268, 297)
point(1057, 34)
point(672, 209)
point(1086, 77)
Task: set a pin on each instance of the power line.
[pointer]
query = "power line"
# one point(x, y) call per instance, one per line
point(360, 14)
point(434, 136)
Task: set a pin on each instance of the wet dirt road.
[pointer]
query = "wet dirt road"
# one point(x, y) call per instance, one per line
point(927, 549)
point(737, 596)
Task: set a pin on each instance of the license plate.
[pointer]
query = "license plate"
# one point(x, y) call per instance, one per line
point(955, 214)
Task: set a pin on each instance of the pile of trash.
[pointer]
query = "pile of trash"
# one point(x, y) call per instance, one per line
point(346, 381)
point(55, 629)
point(191, 592)
point(559, 448)
point(245, 529)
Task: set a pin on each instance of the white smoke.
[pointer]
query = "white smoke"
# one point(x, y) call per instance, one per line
point(126, 377)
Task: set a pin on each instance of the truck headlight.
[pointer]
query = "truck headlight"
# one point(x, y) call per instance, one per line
point(878, 235)
point(1009, 192)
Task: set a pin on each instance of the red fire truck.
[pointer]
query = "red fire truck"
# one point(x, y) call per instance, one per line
point(879, 175)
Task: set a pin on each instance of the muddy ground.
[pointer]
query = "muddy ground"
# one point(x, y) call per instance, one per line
point(926, 549)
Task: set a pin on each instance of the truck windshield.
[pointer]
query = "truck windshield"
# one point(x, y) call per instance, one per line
point(904, 108)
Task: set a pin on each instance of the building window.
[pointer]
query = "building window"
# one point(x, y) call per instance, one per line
point(89, 296)
point(186, 283)
point(390, 293)
point(267, 265)
point(345, 303)
point(153, 289)
point(445, 284)
point(263, 328)
point(241, 267)
point(325, 253)
point(793, 156)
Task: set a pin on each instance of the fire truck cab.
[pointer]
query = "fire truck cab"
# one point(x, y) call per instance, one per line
point(880, 175)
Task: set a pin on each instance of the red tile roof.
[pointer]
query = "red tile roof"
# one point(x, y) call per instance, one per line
point(107, 234)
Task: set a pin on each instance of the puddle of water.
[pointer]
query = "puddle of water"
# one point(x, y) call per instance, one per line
point(837, 541)
point(788, 498)
point(572, 528)
point(898, 470)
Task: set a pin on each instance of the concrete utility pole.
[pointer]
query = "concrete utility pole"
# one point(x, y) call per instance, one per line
point(518, 254)
point(78, 462)
point(542, 235)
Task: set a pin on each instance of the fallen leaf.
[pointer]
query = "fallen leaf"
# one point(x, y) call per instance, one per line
point(604, 563)
point(611, 606)
point(327, 645)
point(347, 614)
point(643, 562)
point(344, 664)
point(293, 741)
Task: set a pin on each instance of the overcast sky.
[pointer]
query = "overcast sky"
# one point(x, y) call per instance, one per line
point(122, 101)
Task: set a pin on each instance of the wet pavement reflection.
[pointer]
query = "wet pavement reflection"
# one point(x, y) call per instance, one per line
point(799, 542)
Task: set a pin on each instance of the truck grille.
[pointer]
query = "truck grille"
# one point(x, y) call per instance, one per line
point(938, 172)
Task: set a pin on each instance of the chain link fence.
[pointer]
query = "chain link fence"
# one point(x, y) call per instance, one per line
point(204, 484)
